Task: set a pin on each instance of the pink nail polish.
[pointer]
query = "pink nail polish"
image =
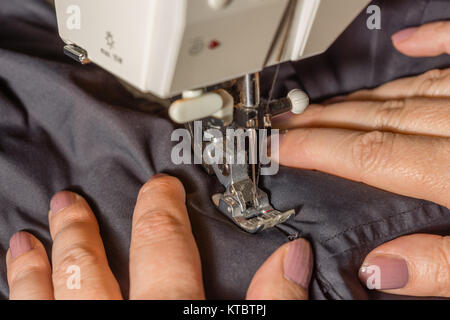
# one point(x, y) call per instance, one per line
point(384, 273)
point(61, 200)
point(19, 244)
point(404, 35)
point(298, 263)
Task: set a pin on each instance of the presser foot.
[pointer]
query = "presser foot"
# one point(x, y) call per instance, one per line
point(252, 216)
point(233, 113)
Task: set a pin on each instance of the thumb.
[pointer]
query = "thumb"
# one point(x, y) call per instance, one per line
point(416, 265)
point(285, 275)
point(429, 40)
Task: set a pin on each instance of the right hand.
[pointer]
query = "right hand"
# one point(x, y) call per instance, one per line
point(397, 138)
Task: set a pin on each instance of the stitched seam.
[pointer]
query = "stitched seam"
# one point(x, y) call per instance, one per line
point(366, 244)
point(374, 222)
point(325, 282)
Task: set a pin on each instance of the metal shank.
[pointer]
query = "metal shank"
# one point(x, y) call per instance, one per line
point(243, 201)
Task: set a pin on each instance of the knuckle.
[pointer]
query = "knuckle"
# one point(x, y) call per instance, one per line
point(390, 114)
point(156, 225)
point(165, 184)
point(429, 83)
point(371, 150)
point(77, 255)
point(75, 217)
point(78, 212)
point(433, 74)
point(24, 272)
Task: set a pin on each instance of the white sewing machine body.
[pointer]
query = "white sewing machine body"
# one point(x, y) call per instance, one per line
point(168, 46)
point(210, 51)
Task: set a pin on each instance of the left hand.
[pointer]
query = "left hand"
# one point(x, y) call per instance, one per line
point(397, 138)
point(164, 259)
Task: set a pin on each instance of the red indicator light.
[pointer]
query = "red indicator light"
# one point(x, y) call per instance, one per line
point(214, 44)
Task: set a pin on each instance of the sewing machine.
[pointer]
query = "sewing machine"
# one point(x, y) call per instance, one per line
point(207, 54)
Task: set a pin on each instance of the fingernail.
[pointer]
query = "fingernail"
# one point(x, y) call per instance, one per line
point(61, 200)
point(384, 273)
point(157, 176)
point(404, 34)
point(298, 263)
point(19, 244)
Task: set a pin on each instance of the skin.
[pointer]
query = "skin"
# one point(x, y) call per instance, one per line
point(396, 137)
point(164, 259)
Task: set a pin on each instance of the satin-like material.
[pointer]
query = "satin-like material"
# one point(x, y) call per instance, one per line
point(64, 126)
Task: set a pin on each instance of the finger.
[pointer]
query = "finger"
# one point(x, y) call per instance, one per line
point(164, 259)
point(285, 275)
point(420, 116)
point(80, 266)
point(28, 269)
point(432, 84)
point(414, 166)
point(416, 265)
point(429, 40)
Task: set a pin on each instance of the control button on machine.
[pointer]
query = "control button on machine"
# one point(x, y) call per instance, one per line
point(299, 101)
point(218, 4)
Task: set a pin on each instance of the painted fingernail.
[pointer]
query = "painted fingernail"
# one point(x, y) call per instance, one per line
point(61, 200)
point(298, 263)
point(19, 244)
point(404, 34)
point(384, 273)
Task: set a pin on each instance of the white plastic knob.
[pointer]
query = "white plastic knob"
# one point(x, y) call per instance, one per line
point(191, 109)
point(218, 4)
point(299, 100)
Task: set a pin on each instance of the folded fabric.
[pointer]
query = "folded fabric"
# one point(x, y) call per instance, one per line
point(65, 126)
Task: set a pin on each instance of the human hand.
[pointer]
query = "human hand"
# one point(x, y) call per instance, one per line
point(164, 259)
point(397, 138)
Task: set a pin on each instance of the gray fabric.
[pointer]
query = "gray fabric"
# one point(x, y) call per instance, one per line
point(64, 126)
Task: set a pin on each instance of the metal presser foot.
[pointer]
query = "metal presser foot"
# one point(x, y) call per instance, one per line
point(243, 201)
point(250, 209)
